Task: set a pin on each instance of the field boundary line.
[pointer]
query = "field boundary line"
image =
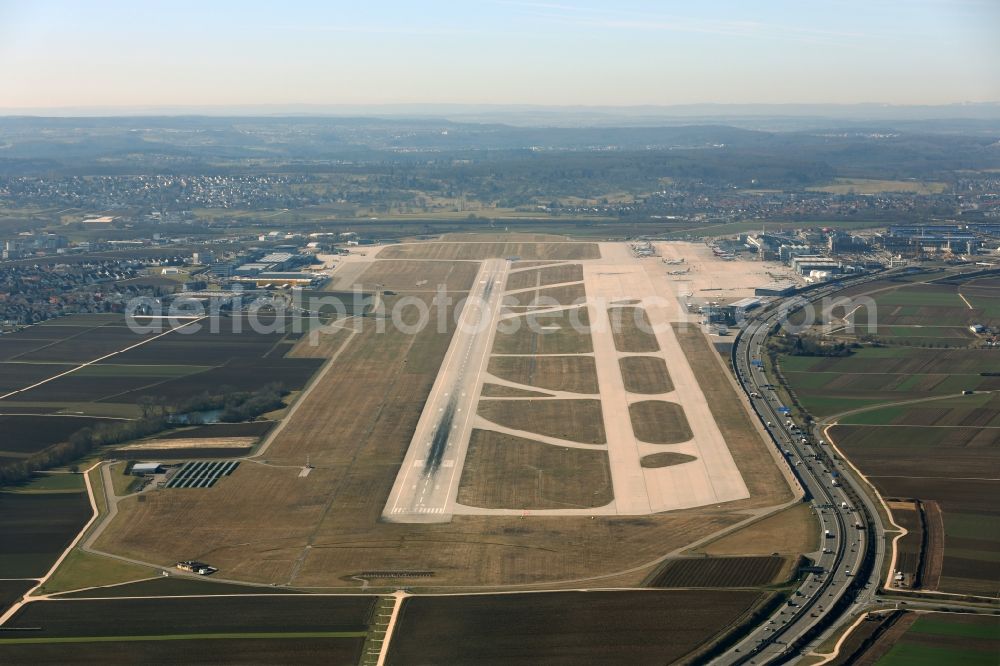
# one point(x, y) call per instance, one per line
point(834, 419)
point(830, 656)
point(94, 513)
point(98, 360)
point(383, 654)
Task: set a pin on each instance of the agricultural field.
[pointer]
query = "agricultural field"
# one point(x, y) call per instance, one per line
point(68, 340)
point(270, 648)
point(909, 548)
point(172, 586)
point(27, 434)
point(983, 295)
point(874, 186)
point(479, 250)
point(234, 355)
point(194, 615)
point(939, 453)
point(876, 375)
point(870, 640)
point(11, 592)
point(506, 472)
point(719, 572)
point(939, 312)
point(641, 627)
point(60, 378)
point(36, 526)
point(918, 639)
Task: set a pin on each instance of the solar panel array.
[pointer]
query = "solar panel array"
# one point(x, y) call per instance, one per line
point(201, 474)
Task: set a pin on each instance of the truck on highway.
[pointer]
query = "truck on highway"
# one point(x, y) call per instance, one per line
point(828, 534)
point(835, 482)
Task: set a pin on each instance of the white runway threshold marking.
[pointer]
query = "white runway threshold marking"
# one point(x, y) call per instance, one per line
point(427, 483)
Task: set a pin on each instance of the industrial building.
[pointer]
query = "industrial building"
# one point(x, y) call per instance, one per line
point(280, 279)
point(806, 264)
point(744, 305)
point(146, 469)
point(776, 289)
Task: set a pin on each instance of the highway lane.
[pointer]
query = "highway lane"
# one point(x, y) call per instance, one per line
point(822, 598)
point(427, 483)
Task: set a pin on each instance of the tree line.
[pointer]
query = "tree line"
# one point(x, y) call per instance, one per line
point(235, 406)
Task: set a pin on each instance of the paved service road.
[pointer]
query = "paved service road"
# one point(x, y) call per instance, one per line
point(427, 484)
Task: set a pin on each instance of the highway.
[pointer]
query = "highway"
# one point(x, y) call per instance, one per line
point(852, 543)
point(427, 483)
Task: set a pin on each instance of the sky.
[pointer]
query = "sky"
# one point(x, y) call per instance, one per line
point(56, 54)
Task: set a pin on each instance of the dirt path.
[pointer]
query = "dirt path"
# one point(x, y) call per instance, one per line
point(41, 581)
point(383, 653)
point(98, 360)
point(833, 419)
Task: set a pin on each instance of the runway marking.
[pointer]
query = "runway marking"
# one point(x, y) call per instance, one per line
point(454, 372)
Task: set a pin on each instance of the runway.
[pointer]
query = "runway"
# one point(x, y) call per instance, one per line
point(427, 483)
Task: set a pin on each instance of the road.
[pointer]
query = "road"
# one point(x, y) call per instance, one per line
point(852, 539)
point(427, 484)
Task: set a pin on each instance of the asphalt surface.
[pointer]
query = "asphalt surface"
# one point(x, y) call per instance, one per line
point(851, 537)
point(427, 484)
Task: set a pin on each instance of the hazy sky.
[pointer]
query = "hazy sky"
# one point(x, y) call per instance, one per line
point(141, 52)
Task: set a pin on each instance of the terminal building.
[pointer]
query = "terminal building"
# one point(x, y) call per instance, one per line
point(807, 264)
point(777, 289)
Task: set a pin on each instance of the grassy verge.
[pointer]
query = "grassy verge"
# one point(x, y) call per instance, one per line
point(81, 569)
point(122, 482)
point(50, 483)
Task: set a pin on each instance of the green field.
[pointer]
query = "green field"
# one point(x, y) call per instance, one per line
point(50, 483)
point(81, 569)
point(125, 370)
point(877, 375)
point(876, 186)
point(942, 639)
point(952, 411)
